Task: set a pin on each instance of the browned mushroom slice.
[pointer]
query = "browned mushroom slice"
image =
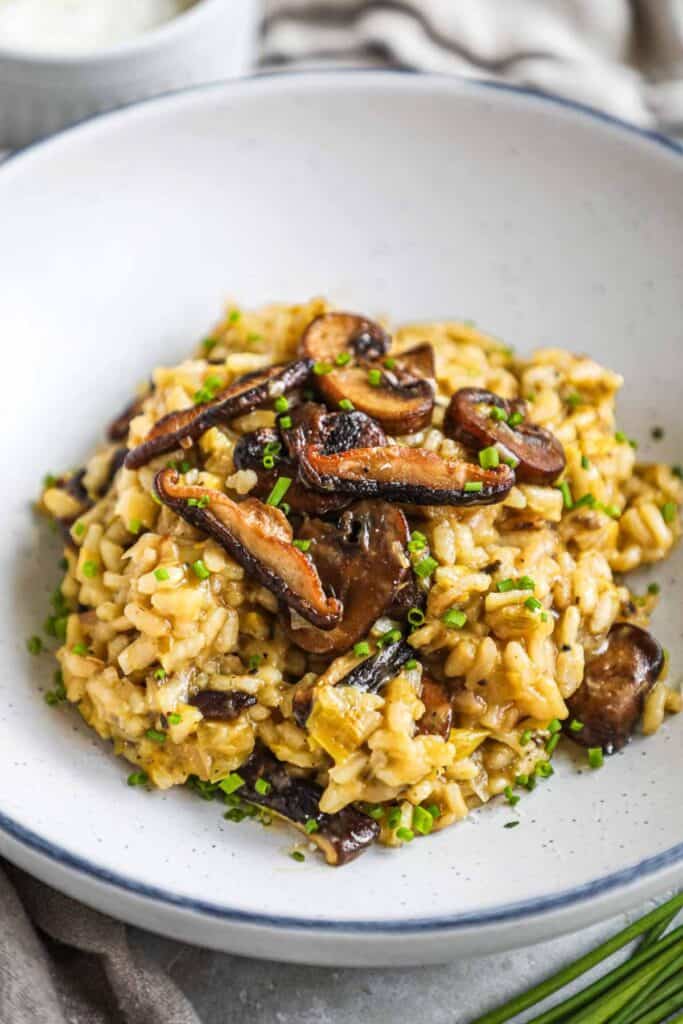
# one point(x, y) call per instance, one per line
point(364, 562)
point(438, 713)
point(259, 537)
point(245, 394)
point(373, 673)
point(222, 705)
point(333, 335)
point(409, 475)
point(340, 837)
point(480, 418)
point(336, 431)
point(418, 360)
point(390, 391)
point(617, 679)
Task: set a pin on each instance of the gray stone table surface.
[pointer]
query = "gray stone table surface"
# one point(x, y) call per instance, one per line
point(232, 990)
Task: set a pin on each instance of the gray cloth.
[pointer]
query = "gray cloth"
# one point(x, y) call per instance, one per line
point(61, 962)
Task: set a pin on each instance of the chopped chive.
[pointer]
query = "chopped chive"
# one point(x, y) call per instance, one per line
point(426, 567)
point(653, 588)
point(422, 821)
point(343, 358)
point(137, 779)
point(174, 718)
point(434, 810)
point(586, 500)
point(489, 458)
point(272, 448)
point(347, 405)
point(375, 378)
point(236, 814)
point(511, 824)
point(268, 461)
point(515, 419)
point(511, 461)
point(612, 511)
point(510, 796)
point(280, 488)
point(134, 526)
point(416, 617)
point(575, 725)
point(566, 493)
point(160, 673)
point(497, 414)
point(533, 604)
point(262, 787)
point(544, 769)
point(200, 570)
point(321, 369)
point(411, 664)
point(620, 437)
point(156, 736)
point(34, 645)
point(376, 813)
point(302, 545)
point(454, 618)
point(232, 783)
point(254, 662)
point(281, 404)
point(585, 462)
point(81, 650)
point(554, 726)
point(361, 649)
point(297, 855)
point(596, 758)
point(526, 583)
point(525, 738)
point(311, 826)
point(406, 834)
point(392, 636)
point(285, 422)
point(552, 742)
point(473, 487)
point(285, 508)
point(49, 480)
point(90, 569)
point(394, 817)
point(390, 363)
point(677, 472)
point(208, 344)
point(668, 511)
point(504, 585)
point(60, 625)
point(161, 574)
point(79, 529)
point(573, 399)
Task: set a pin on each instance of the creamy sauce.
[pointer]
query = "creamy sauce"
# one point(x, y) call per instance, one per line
point(80, 26)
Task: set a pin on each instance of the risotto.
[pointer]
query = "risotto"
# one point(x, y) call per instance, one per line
point(362, 582)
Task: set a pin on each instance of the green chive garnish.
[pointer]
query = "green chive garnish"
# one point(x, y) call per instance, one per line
point(411, 664)
point(515, 419)
point(232, 783)
point(473, 487)
point(174, 718)
point(525, 738)
point(510, 796)
point(160, 673)
point(262, 787)
point(281, 404)
point(297, 855)
point(406, 834)
point(361, 649)
point(347, 405)
point(565, 490)
point(137, 779)
point(416, 617)
point(533, 604)
point(254, 662)
point(489, 458)
point(596, 758)
point(497, 414)
point(585, 462)
point(426, 567)
point(375, 378)
point(81, 650)
point(34, 645)
point(161, 574)
point(321, 369)
point(134, 526)
point(454, 618)
point(668, 511)
point(156, 736)
point(575, 725)
point(311, 826)
point(285, 422)
point(200, 570)
point(282, 485)
point(422, 821)
point(302, 545)
point(343, 358)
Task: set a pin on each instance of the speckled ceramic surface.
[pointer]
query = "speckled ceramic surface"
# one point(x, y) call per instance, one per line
point(120, 242)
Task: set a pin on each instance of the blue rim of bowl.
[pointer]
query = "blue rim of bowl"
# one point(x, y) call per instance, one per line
point(510, 913)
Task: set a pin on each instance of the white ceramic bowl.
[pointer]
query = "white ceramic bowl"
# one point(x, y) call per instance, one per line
point(423, 197)
point(40, 93)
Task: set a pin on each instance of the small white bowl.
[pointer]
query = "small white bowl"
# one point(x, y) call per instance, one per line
point(40, 93)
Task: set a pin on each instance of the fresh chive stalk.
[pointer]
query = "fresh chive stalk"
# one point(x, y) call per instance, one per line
point(585, 963)
point(623, 996)
point(650, 991)
point(656, 933)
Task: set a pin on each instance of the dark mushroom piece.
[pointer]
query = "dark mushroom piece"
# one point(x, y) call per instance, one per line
point(222, 705)
point(412, 476)
point(616, 681)
point(248, 393)
point(118, 428)
point(259, 537)
point(480, 418)
point(363, 560)
point(373, 673)
point(418, 360)
point(396, 396)
point(341, 836)
point(438, 714)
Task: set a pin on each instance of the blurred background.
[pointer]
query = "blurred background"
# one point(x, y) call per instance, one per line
point(63, 60)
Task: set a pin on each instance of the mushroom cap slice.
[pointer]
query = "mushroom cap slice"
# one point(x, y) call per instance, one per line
point(341, 836)
point(539, 454)
point(259, 537)
point(363, 559)
point(438, 714)
point(372, 674)
point(401, 399)
point(222, 705)
point(244, 395)
point(332, 334)
point(616, 681)
point(409, 475)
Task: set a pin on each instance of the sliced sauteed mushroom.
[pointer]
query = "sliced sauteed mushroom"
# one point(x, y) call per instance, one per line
point(374, 672)
point(270, 453)
point(222, 705)
point(438, 714)
point(341, 836)
point(617, 679)
point(259, 537)
point(363, 560)
point(244, 395)
point(480, 418)
point(411, 475)
point(418, 360)
point(348, 351)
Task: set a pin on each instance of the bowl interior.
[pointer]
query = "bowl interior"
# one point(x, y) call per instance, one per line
point(122, 241)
